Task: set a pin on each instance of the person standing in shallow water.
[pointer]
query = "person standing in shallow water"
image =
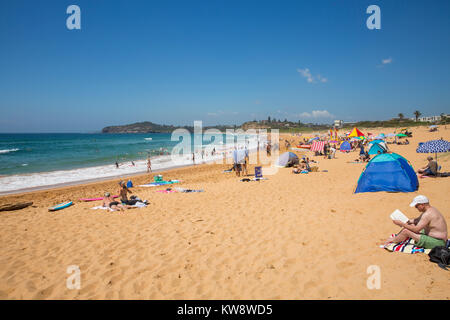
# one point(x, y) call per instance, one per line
point(149, 165)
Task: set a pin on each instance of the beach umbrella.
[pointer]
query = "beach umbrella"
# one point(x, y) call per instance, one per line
point(390, 135)
point(356, 133)
point(434, 146)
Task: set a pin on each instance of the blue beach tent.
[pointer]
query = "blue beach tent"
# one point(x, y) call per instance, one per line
point(345, 147)
point(376, 149)
point(388, 172)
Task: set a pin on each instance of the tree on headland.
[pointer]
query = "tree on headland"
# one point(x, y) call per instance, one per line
point(268, 119)
point(417, 114)
point(401, 116)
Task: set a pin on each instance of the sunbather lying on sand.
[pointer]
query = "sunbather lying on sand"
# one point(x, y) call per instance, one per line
point(108, 201)
point(429, 230)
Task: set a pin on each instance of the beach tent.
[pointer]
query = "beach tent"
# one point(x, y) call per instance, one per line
point(355, 133)
point(287, 159)
point(380, 142)
point(345, 147)
point(376, 148)
point(388, 172)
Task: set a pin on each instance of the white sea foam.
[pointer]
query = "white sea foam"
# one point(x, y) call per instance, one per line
point(44, 179)
point(9, 150)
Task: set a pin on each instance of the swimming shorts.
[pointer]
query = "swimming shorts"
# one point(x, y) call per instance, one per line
point(114, 203)
point(428, 242)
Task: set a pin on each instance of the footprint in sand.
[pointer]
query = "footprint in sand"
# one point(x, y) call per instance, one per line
point(44, 294)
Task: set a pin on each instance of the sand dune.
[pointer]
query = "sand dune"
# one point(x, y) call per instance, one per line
point(288, 237)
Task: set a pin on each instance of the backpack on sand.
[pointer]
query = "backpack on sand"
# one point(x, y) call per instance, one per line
point(441, 256)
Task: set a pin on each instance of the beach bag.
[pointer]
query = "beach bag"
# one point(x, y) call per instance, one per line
point(129, 184)
point(441, 256)
point(158, 178)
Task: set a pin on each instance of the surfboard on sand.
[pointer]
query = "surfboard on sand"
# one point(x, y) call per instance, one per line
point(15, 206)
point(60, 206)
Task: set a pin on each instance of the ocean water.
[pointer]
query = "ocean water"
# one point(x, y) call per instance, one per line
point(36, 160)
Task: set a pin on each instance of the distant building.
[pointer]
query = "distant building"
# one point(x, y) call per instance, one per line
point(429, 119)
point(338, 123)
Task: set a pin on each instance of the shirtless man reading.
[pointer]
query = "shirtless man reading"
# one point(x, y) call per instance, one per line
point(429, 230)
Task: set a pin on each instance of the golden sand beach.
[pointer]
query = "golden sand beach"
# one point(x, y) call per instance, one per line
point(304, 236)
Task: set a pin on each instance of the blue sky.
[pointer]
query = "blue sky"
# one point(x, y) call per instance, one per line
point(222, 62)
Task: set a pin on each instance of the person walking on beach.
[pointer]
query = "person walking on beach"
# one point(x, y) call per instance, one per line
point(149, 165)
point(193, 158)
point(429, 230)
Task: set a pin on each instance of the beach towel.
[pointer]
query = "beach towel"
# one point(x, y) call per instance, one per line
point(166, 191)
point(103, 208)
point(407, 246)
point(136, 205)
point(161, 183)
point(179, 190)
point(188, 190)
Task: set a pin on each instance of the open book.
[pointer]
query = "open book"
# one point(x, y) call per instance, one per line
point(398, 215)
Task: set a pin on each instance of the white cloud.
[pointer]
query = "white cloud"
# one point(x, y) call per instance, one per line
point(306, 73)
point(386, 61)
point(316, 114)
